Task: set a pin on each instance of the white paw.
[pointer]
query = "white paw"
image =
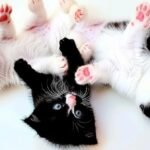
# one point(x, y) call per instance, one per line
point(66, 5)
point(86, 74)
point(5, 12)
point(35, 5)
point(142, 15)
point(60, 65)
point(77, 13)
point(86, 52)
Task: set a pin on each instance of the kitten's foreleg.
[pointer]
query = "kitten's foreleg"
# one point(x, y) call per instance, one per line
point(31, 77)
point(72, 54)
point(7, 30)
point(135, 33)
point(50, 65)
point(86, 52)
point(94, 73)
point(77, 14)
point(39, 15)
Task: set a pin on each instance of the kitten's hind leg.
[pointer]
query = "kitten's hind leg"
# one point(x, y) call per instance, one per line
point(66, 5)
point(75, 11)
point(135, 33)
point(7, 30)
point(39, 15)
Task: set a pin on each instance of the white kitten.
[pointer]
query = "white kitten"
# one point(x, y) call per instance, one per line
point(120, 59)
point(38, 43)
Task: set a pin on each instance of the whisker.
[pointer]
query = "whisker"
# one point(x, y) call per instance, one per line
point(55, 89)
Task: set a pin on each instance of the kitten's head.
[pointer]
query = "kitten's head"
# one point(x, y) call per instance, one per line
point(64, 117)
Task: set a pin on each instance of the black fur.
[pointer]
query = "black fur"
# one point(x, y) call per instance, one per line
point(145, 110)
point(148, 42)
point(118, 25)
point(50, 117)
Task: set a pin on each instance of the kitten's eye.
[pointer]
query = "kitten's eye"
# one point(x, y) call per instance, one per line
point(78, 114)
point(57, 106)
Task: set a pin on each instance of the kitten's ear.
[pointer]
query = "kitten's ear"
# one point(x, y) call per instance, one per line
point(33, 121)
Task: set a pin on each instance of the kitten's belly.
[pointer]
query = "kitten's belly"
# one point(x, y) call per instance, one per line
point(86, 34)
point(126, 70)
point(29, 45)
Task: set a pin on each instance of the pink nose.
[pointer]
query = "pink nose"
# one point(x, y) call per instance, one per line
point(70, 100)
point(72, 97)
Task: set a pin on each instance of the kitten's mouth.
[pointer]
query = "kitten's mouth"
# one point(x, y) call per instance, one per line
point(71, 101)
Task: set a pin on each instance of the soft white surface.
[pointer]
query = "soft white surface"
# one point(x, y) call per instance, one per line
point(122, 125)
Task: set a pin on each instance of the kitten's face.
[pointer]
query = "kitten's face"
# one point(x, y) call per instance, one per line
point(65, 119)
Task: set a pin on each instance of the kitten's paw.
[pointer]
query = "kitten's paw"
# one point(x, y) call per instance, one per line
point(66, 5)
point(66, 46)
point(60, 65)
point(85, 74)
point(86, 52)
point(5, 12)
point(35, 5)
point(19, 64)
point(142, 15)
point(79, 14)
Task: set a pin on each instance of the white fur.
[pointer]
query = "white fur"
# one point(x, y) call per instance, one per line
point(120, 60)
point(36, 43)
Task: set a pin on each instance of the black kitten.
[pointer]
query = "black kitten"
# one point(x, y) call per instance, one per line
point(62, 114)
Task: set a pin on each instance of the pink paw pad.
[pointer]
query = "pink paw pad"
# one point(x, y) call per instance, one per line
point(86, 71)
point(79, 14)
point(5, 12)
point(85, 75)
point(140, 16)
point(143, 14)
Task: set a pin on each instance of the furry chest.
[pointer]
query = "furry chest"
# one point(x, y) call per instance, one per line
point(89, 33)
point(42, 30)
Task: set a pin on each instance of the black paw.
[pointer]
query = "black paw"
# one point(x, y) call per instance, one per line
point(67, 45)
point(145, 110)
point(20, 65)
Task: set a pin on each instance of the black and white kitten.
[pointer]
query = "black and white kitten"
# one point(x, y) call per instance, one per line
point(62, 114)
point(121, 58)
